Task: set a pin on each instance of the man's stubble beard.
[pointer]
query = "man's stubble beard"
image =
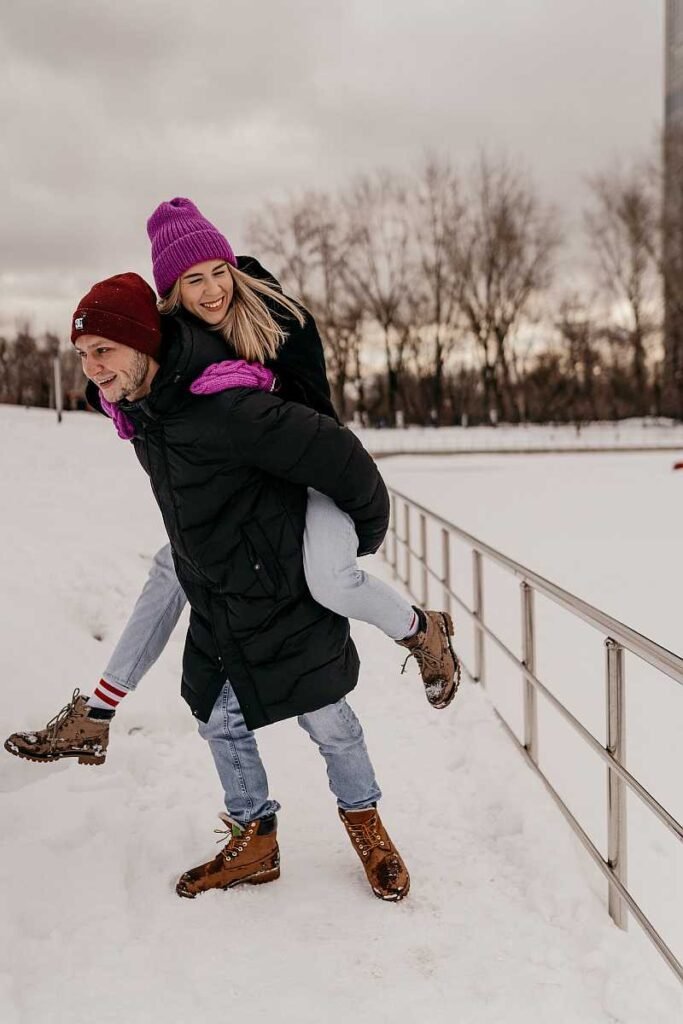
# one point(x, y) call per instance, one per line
point(136, 377)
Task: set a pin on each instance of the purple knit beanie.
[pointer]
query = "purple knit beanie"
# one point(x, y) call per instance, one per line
point(181, 237)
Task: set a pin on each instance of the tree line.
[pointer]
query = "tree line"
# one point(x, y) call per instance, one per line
point(27, 370)
point(440, 300)
point(442, 296)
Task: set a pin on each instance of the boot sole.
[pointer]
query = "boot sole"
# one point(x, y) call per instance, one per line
point(257, 878)
point(394, 897)
point(49, 759)
point(448, 632)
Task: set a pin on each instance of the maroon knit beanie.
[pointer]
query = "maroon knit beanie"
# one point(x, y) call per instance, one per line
point(122, 308)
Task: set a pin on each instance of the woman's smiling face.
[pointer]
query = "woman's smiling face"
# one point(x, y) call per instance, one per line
point(206, 290)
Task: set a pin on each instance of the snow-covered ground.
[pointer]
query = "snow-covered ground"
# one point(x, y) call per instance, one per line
point(530, 437)
point(505, 921)
point(607, 528)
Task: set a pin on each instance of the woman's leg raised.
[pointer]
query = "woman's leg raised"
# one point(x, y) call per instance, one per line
point(84, 731)
point(333, 576)
point(336, 582)
point(150, 625)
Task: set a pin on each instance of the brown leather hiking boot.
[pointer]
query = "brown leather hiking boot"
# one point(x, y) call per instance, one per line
point(434, 654)
point(71, 733)
point(386, 872)
point(250, 855)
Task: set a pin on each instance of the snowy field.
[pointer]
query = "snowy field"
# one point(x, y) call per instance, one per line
point(530, 437)
point(505, 921)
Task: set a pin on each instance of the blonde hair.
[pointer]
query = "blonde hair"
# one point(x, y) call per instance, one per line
point(249, 326)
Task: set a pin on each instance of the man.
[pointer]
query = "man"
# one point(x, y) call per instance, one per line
point(229, 472)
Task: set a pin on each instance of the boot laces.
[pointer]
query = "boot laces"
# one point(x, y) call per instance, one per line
point(239, 836)
point(55, 723)
point(425, 659)
point(365, 834)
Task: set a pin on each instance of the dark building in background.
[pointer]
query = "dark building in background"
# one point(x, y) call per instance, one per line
point(673, 209)
point(673, 63)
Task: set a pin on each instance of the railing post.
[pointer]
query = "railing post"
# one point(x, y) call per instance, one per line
point(478, 584)
point(529, 658)
point(406, 534)
point(616, 787)
point(423, 559)
point(394, 534)
point(446, 575)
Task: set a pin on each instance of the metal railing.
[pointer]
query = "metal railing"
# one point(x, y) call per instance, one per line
point(618, 638)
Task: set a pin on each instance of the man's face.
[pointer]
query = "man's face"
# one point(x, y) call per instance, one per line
point(119, 371)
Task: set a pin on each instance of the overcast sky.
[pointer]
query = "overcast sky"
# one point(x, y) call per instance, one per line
point(108, 108)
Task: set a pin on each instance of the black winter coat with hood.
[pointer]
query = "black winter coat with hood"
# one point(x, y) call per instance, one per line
point(229, 472)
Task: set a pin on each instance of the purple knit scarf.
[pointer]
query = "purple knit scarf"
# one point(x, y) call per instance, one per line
point(231, 373)
point(124, 428)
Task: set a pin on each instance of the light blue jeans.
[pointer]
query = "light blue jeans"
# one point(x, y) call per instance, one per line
point(334, 729)
point(335, 581)
point(333, 578)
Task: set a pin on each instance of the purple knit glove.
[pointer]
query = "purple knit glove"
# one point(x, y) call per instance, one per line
point(124, 427)
point(233, 373)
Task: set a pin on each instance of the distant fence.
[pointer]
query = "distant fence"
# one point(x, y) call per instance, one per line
point(415, 564)
point(631, 436)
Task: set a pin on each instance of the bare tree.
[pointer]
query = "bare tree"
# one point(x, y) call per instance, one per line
point(338, 308)
point(578, 333)
point(622, 225)
point(307, 238)
point(438, 212)
point(5, 364)
point(26, 369)
point(283, 234)
point(502, 258)
point(378, 268)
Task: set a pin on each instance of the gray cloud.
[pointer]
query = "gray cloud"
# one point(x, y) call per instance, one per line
point(108, 109)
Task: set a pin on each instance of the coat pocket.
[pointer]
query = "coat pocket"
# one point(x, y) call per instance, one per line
point(264, 561)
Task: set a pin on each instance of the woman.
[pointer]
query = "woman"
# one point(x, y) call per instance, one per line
point(201, 281)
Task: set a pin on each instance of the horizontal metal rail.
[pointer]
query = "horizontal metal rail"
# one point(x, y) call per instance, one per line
point(618, 637)
point(647, 798)
point(659, 657)
point(670, 957)
point(603, 449)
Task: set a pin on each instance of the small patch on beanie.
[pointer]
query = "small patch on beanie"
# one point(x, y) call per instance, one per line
point(79, 323)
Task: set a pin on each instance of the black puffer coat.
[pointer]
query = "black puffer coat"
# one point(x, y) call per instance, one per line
point(229, 472)
point(300, 360)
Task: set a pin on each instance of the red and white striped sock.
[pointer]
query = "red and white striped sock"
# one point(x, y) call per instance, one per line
point(414, 626)
point(106, 696)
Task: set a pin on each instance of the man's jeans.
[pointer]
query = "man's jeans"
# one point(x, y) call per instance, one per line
point(332, 574)
point(334, 729)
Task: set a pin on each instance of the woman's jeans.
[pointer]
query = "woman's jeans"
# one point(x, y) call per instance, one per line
point(332, 574)
point(334, 729)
